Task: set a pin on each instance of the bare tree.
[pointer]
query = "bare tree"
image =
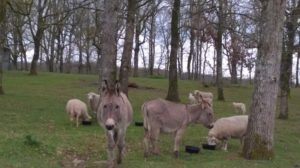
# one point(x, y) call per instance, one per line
point(152, 35)
point(2, 39)
point(42, 11)
point(287, 58)
point(173, 85)
point(192, 38)
point(142, 15)
point(164, 33)
point(128, 45)
point(218, 45)
point(258, 142)
point(297, 63)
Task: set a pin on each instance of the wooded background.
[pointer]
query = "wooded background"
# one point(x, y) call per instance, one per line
point(184, 39)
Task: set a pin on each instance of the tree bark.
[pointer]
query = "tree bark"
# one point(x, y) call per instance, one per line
point(109, 45)
point(219, 52)
point(297, 69)
point(286, 63)
point(37, 42)
point(128, 45)
point(259, 138)
point(80, 64)
point(136, 49)
point(52, 49)
point(152, 43)
point(192, 42)
point(173, 86)
point(2, 39)
point(234, 58)
point(37, 37)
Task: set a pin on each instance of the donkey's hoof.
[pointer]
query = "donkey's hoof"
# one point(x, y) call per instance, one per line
point(176, 154)
point(156, 152)
point(119, 160)
point(146, 154)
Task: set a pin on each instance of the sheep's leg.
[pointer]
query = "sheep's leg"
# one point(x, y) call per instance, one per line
point(177, 139)
point(154, 140)
point(77, 121)
point(121, 144)
point(110, 148)
point(224, 145)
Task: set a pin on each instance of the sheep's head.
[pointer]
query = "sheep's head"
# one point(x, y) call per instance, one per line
point(211, 140)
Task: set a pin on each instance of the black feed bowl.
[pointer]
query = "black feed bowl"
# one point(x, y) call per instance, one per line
point(209, 147)
point(139, 124)
point(86, 122)
point(192, 149)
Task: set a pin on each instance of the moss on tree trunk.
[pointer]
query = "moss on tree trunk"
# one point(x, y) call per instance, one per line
point(259, 150)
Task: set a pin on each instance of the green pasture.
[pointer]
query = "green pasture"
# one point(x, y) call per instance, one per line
point(35, 131)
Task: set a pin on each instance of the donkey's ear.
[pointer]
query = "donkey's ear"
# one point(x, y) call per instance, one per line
point(117, 87)
point(104, 87)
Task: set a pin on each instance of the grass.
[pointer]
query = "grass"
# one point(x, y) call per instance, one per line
point(36, 132)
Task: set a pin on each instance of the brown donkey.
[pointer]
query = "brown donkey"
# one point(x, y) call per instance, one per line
point(162, 115)
point(114, 114)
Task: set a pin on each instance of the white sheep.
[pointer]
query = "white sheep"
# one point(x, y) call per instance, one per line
point(192, 99)
point(226, 128)
point(93, 101)
point(77, 109)
point(203, 94)
point(239, 108)
point(197, 96)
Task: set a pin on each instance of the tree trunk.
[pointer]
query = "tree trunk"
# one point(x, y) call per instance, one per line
point(286, 64)
point(128, 45)
point(152, 44)
point(2, 39)
point(37, 43)
point(37, 37)
point(109, 45)
point(23, 52)
point(88, 64)
point(80, 64)
point(192, 41)
point(204, 63)
point(173, 86)
point(297, 70)
point(52, 49)
point(199, 58)
point(241, 70)
point(180, 61)
point(15, 52)
point(219, 52)
point(68, 61)
point(258, 142)
point(60, 49)
point(137, 44)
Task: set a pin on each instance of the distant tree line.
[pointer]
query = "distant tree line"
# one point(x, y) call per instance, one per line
point(163, 34)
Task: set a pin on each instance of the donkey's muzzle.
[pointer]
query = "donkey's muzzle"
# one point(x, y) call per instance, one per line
point(109, 127)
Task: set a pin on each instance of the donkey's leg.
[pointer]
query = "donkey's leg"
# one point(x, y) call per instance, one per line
point(110, 148)
point(154, 140)
point(177, 139)
point(146, 142)
point(121, 144)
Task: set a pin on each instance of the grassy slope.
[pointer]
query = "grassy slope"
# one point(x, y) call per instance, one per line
point(34, 107)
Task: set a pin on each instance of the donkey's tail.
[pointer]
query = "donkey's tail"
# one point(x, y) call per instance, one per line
point(146, 117)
